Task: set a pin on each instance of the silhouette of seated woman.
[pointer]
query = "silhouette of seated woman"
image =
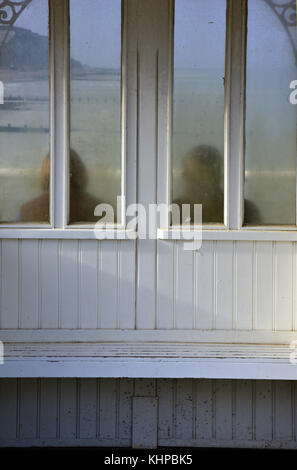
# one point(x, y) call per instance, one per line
point(202, 172)
point(82, 204)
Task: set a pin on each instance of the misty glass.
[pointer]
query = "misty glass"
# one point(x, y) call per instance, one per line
point(198, 106)
point(24, 116)
point(270, 162)
point(95, 107)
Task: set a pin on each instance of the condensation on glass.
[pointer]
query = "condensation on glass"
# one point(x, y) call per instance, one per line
point(270, 161)
point(24, 115)
point(95, 107)
point(198, 106)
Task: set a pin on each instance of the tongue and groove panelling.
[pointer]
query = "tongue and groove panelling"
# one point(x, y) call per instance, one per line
point(92, 284)
point(99, 412)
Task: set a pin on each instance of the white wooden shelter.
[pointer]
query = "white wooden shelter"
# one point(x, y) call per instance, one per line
point(101, 335)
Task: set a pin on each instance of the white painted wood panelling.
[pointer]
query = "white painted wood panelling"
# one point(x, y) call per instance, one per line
point(50, 284)
point(10, 251)
point(99, 412)
point(29, 275)
point(90, 284)
point(223, 285)
point(203, 288)
point(239, 285)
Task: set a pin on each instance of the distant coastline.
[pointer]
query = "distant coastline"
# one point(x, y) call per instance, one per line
point(25, 57)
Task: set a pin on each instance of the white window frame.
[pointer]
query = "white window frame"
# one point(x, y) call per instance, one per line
point(233, 227)
point(234, 135)
point(59, 84)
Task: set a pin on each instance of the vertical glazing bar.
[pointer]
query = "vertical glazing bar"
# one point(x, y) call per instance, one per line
point(235, 110)
point(59, 27)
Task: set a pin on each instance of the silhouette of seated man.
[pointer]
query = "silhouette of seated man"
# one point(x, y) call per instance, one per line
point(82, 204)
point(202, 172)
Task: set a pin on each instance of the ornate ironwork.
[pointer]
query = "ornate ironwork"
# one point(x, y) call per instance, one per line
point(11, 10)
point(9, 13)
point(286, 12)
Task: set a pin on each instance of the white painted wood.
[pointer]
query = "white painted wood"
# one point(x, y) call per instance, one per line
point(29, 275)
point(125, 410)
point(274, 429)
point(109, 285)
point(68, 233)
point(108, 411)
point(9, 284)
point(88, 397)
point(184, 294)
point(59, 110)
point(148, 361)
point(130, 75)
point(149, 367)
point(183, 411)
point(204, 282)
point(227, 337)
point(48, 409)
point(224, 289)
point(165, 105)
point(244, 412)
point(8, 409)
point(243, 285)
point(126, 279)
point(223, 409)
point(145, 387)
point(68, 284)
point(147, 41)
point(68, 409)
point(49, 284)
point(264, 286)
point(88, 284)
point(287, 234)
point(165, 393)
point(263, 410)
point(145, 427)
point(28, 409)
point(294, 285)
point(282, 412)
point(147, 350)
point(165, 285)
point(146, 284)
point(235, 107)
point(283, 286)
point(204, 409)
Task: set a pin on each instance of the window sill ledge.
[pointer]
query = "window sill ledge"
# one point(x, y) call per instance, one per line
point(69, 233)
point(263, 234)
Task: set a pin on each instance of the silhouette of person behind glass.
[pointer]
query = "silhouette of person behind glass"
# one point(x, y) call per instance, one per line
point(202, 172)
point(82, 204)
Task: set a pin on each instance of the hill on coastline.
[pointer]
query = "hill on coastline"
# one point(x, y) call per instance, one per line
point(26, 51)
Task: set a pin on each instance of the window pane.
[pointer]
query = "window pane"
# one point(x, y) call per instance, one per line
point(270, 163)
point(95, 157)
point(198, 119)
point(24, 116)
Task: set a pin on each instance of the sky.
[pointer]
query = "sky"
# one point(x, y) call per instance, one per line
point(92, 22)
point(200, 24)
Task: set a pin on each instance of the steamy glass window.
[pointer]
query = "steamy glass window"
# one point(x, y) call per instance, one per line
point(270, 162)
point(95, 106)
point(24, 114)
point(198, 106)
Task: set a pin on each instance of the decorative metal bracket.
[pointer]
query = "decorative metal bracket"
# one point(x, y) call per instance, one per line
point(11, 10)
point(286, 12)
point(9, 13)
